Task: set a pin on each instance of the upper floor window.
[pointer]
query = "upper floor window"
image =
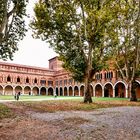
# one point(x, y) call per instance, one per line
point(35, 80)
point(8, 79)
point(43, 82)
point(65, 82)
point(18, 79)
point(50, 83)
point(60, 82)
point(56, 83)
point(27, 80)
point(70, 81)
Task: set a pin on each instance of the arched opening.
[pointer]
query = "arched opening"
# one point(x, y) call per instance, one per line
point(27, 90)
point(120, 90)
point(91, 90)
point(65, 91)
point(8, 90)
point(138, 89)
point(18, 80)
point(50, 91)
point(61, 91)
point(76, 91)
point(98, 90)
point(35, 81)
point(18, 89)
point(27, 80)
point(8, 79)
point(56, 90)
point(35, 91)
point(108, 90)
point(82, 90)
point(43, 91)
point(1, 90)
point(70, 91)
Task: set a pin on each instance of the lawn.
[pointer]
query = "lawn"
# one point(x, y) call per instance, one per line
point(27, 97)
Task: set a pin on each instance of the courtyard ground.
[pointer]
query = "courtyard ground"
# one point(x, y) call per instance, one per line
point(70, 120)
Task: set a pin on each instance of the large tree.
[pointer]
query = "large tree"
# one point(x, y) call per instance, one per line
point(12, 26)
point(125, 41)
point(76, 29)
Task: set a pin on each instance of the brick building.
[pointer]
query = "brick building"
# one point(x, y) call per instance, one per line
point(42, 81)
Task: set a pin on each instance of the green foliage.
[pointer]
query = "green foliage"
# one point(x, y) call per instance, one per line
point(12, 26)
point(76, 30)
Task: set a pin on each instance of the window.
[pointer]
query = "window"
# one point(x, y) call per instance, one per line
point(35, 81)
point(50, 83)
point(8, 79)
point(65, 82)
point(18, 79)
point(27, 80)
point(70, 81)
point(43, 82)
point(56, 83)
point(60, 82)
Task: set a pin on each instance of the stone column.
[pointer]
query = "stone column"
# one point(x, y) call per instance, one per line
point(46, 91)
point(113, 92)
point(103, 94)
point(126, 95)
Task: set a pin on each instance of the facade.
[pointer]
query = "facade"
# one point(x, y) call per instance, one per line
point(42, 81)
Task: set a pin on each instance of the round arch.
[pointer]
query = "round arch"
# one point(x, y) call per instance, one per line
point(8, 90)
point(82, 88)
point(18, 89)
point(108, 89)
point(138, 89)
point(120, 89)
point(35, 90)
point(56, 91)
point(76, 91)
point(43, 91)
point(70, 91)
point(98, 90)
point(61, 91)
point(27, 90)
point(65, 91)
point(50, 91)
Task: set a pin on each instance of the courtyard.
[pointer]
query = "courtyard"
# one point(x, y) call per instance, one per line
point(70, 119)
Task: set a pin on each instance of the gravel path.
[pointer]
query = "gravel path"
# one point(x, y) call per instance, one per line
point(119, 123)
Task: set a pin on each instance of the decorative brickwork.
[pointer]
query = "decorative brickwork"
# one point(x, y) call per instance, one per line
point(29, 80)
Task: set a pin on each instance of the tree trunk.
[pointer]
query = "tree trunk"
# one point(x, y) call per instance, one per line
point(133, 86)
point(87, 94)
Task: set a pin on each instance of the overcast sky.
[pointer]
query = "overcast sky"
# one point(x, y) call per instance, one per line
point(31, 51)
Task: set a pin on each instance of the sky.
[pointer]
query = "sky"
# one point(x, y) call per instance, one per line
point(33, 52)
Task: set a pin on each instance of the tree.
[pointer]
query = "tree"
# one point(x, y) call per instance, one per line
point(125, 41)
point(12, 26)
point(76, 30)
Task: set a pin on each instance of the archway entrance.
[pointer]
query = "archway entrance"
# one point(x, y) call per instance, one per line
point(65, 91)
point(61, 91)
point(1, 90)
point(56, 91)
point(18, 89)
point(120, 90)
point(98, 91)
point(27, 90)
point(82, 88)
point(76, 91)
point(35, 91)
point(50, 91)
point(108, 90)
point(8, 90)
point(70, 91)
point(43, 91)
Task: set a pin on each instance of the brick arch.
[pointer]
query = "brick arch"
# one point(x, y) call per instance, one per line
point(50, 91)
point(120, 89)
point(70, 91)
point(98, 90)
point(65, 91)
point(8, 90)
point(35, 90)
point(76, 91)
point(108, 89)
point(27, 90)
point(1, 90)
point(82, 88)
point(18, 89)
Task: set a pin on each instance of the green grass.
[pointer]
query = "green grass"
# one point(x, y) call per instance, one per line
point(27, 97)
